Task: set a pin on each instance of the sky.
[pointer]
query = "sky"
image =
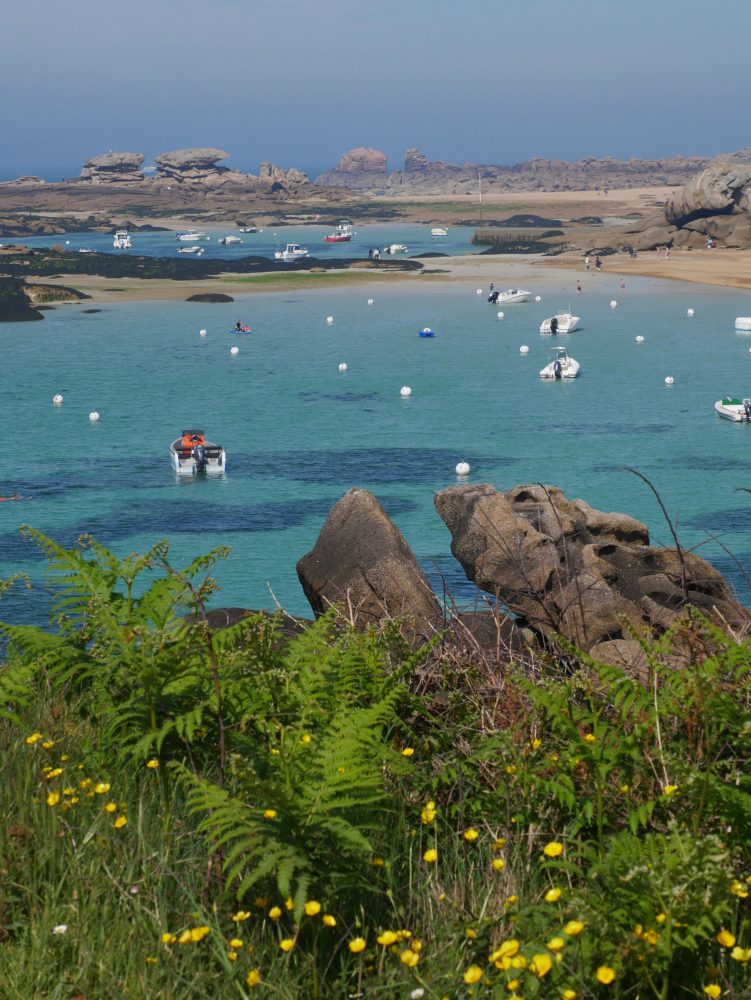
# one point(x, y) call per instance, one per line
point(299, 82)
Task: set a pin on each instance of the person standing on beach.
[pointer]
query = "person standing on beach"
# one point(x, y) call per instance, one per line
point(623, 284)
point(586, 263)
point(578, 286)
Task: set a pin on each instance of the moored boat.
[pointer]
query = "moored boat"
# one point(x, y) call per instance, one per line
point(293, 251)
point(396, 248)
point(198, 250)
point(192, 454)
point(563, 322)
point(229, 241)
point(437, 231)
point(121, 240)
point(734, 409)
point(510, 297)
point(190, 237)
point(343, 233)
point(562, 366)
point(743, 323)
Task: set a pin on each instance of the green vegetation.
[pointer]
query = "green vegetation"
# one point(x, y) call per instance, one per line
point(188, 814)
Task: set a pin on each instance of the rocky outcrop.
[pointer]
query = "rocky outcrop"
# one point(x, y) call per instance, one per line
point(199, 165)
point(564, 568)
point(716, 203)
point(281, 178)
point(360, 169)
point(361, 563)
point(113, 168)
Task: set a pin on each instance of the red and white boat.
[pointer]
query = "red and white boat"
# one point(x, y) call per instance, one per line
point(342, 234)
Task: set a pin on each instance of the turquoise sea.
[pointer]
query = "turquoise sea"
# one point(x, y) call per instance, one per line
point(299, 432)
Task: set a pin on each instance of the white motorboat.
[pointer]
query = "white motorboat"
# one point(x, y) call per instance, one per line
point(191, 236)
point(293, 251)
point(733, 409)
point(198, 250)
point(512, 296)
point(396, 248)
point(562, 366)
point(562, 322)
point(229, 241)
point(121, 240)
point(192, 454)
point(249, 229)
point(439, 232)
point(743, 323)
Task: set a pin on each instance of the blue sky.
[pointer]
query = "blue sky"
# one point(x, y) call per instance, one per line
point(299, 82)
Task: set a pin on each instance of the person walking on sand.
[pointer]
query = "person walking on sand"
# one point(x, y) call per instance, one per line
point(598, 264)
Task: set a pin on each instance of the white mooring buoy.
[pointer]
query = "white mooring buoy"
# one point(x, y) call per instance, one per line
point(201, 333)
point(234, 350)
point(524, 349)
point(370, 302)
point(640, 339)
point(462, 468)
point(669, 380)
point(614, 303)
point(538, 298)
point(501, 315)
point(343, 366)
point(329, 320)
point(93, 416)
point(405, 391)
point(689, 312)
point(57, 399)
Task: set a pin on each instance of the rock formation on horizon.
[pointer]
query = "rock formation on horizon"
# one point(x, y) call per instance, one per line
point(113, 168)
point(359, 169)
point(715, 203)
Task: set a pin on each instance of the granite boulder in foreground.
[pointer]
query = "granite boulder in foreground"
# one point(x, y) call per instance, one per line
point(362, 564)
point(564, 568)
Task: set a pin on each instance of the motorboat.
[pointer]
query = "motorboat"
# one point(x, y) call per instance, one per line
point(196, 249)
point(121, 240)
point(439, 232)
point(192, 454)
point(562, 322)
point(190, 237)
point(249, 229)
point(229, 241)
point(733, 409)
point(343, 233)
point(743, 323)
point(562, 366)
point(510, 297)
point(293, 251)
point(396, 248)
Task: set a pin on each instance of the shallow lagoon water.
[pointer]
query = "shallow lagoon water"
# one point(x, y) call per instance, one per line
point(299, 432)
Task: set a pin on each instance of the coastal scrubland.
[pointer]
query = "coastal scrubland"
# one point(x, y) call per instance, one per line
point(324, 812)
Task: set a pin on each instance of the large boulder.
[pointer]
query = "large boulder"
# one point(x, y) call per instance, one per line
point(564, 568)
point(113, 168)
point(362, 564)
point(723, 188)
point(359, 168)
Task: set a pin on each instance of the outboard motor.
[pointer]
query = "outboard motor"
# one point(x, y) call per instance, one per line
point(199, 454)
point(554, 325)
point(747, 408)
point(493, 297)
point(557, 368)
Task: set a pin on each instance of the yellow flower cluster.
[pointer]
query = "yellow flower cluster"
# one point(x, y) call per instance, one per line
point(428, 813)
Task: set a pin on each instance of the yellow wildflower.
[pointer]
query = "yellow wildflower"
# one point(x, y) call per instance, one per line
point(535, 744)
point(738, 889)
point(408, 751)
point(518, 962)
point(409, 958)
point(236, 943)
point(48, 744)
point(506, 950)
point(555, 944)
point(570, 995)
point(661, 918)
point(590, 738)
point(713, 990)
point(553, 849)
point(513, 985)
point(652, 936)
point(274, 752)
point(312, 908)
point(184, 938)
point(573, 927)
point(552, 895)
point(387, 937)
point(377, 861)
point(101, 787)
point(54, 772)
point(85, 783)
point(670, 790)
point(357, 944)
point(274, 913)
point(499, 843)
point(511, 769)
point(53, 798)
point(253, 978)
point(168, 938)
point(498, 864)
point(625, 789)
point(150, 960)
point(470, 933)
point(289, 903)
point(471, 834)
point(473, 975)
point(430, 856)
point(428, 813)
point(415, 945)
point(199, 933)
point(541, 965)
point(605, 975)
point(120, 822)
point(269, 813)
point(153, 763)
point(510, 900)
point(726, 939)
point(306, 738)
point(240, 916)
point(286, 944)
point(34, 738)
point(232, 956)
point(328, 920)
point(111, 807)
point(741, 954)
point(64, 756)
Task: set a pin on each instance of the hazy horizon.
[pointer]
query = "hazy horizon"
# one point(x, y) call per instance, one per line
point(299, 84)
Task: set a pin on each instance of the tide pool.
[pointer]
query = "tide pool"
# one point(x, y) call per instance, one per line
point(299, 433)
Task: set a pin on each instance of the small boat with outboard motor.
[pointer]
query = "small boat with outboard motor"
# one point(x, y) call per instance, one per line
point(190, 237)
point(196, 249)
point(192, 454)
point(562, 366)
point(563, 322)
point(396, 248)
point(293, 251)
point(733, 409)
point(511, 297)
point(121, 240)
point(438, 231)
point(229, 241)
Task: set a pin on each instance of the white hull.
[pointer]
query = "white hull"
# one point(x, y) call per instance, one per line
point(513, 297)
point(743, 323)
point(190, 237)
point(396, 248)
point(561, 367)
point(293, 251)
point(184, 462)
point(121, 240)
point(439, 232)
point(229, 241)
point(566, 323)
point(733, 409)
point(196, 250)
